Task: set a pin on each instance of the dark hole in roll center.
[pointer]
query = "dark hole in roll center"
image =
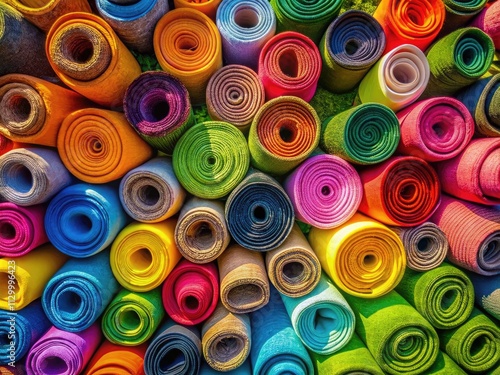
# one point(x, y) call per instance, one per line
point(351, 47)
point(69, 302)
point(227, 347)
point(423, 244)
point(20, 108)
point(293, 270)
point(259, 213)
point(160, 110)
point(191, 303)
point(7, 231)
point(468, 56)
point(492, 251)
point(21, 179)
point(288, 64)
point(246, 18)
point(80, 49)
point(287, 133)
point(211, 160)
point(81, 223)
point(174, 357)
point(369, 260)
point(478, 345)
point(149, 195)
point(438, 129)
point(408, 192)
point(325, 190)
point(53, 365)
point(448, 298)
point(130, 319)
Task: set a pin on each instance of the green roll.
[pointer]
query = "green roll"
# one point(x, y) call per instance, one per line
point(460, 12)
point(444, 365)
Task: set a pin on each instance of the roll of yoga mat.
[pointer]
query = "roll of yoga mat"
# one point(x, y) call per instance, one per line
point(150, 192)
point(131, 318)
point(90, 59)
point(284, 132)
point(245, 26)
point(398, 79)
point(21, 229)
point(117, 360)
point(63, 352)
point(351, 45)
point(84, 219)
point(487, 292)
point(78, 293)
point(208, 7)
point(32, 175)
point(366, 134)
point(234, 95)
point(188, 45)
point(142, 255)
point(402, 191)
point(210, 159)
point(289, 64)
point(362, 257)
point(244, 369)
point(157, 106)
point(487, 21)
point(99, 146)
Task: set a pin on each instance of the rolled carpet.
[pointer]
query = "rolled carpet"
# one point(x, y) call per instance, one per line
point(244, 369)
point(117, 360)
point(234, 95)
point(244, 286)
point(131, 318)
point(58, 349)
point(226, 339)
point(201, 233)
point(32, 175)
point(289, 64)
point(78, 293)
point(210, 159)
point(188, 45)
point(284, 132)
point(157, 106)
point(21, 229)
point(459, 13)
point(208, 7)
point(351, 45)
point(90, 59)
point(150, 192)
point(402, 191)
point(362, 257)
point(245, 26)
point(444, 365)
point(175, 349)
point(99, 146)
point(293, 268)
point(487, 21)
point(142, 255)
point(258, 212)
point(426, 246)
point(276, 349)
point(474, 246)
point(475, 345)
point(84, 219)
point(398, 79)
point(365, 134)
point(487, 292)
point(435, 129)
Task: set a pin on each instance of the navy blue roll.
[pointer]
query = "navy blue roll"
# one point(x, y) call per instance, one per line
point(259, 213)
point(84, 219)
point(487, 292)
point(79, 292)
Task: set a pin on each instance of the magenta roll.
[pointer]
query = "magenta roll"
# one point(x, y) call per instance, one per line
point(489, 21)
point(325, 191)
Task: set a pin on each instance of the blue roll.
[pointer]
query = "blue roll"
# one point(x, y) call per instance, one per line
point(487, 292)
point(244, 369)
point(84, 219)
point(79, 292)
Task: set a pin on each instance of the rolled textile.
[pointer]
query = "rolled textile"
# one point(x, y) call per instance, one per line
point(459, 13)
point(444, 365)
point(293, 268)
point(63, 352)
point(84, 219)
point(487, 292)
point(32, 175)
point(362, 257)
point(142, 255)
point(201, 233)
point(402, 191)
point(475, 345)
point(32, 109)
point(175, 349)
point(276, 349)
point(259, 214)
point(365, 134)
point(458, 60)
point(425, 245)
point(244, 369)
point(99, 146)
point(306, 17)
point(210, 159)
point(410, 22)
point(284, 132)
point(21, 229)
point(226, 339)
point(90, 59)
point(157, 106)
point(474, 246)
point(78, 293)
point(289, 64)
point(234, 95)
point(351, 45)
point(188, 45)
point(245, 26)
point(117, 360)
point(21, 330)
point(244, 286)
point(134, 21)
point(435, 129)
point(208, 7)
point(150, 192)
point(398, 79)
point(488, 21)
point(131, 318)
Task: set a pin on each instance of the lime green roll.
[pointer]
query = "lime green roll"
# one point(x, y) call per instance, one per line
point(444, 365)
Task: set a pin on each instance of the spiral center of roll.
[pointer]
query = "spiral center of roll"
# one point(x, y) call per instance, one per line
point(423, 244)
point(478, 345)
point(187, 44)
point(351, 47)
point(289, 64)
point(438, 129)
point(81, 223)
point(20, 179)
point(227, 348)
point(323, 319)
point(244, 295)
point(468, 56)
point(259, 213)
point(191, 303)
point(171, 359)
point(325, 190)
point(448, 299)
point(148, 195)
point(293, 270)
point(246, 18)
point(69, 303)
point(408, 192)
point(130, 319)
point(53, 365)
point(404, 73)
point(19, 108)
point(492, 252)
point(211, 160)
point(369, 260)
point(141, 258)
point(203, 233)
point(287, 132)
point(7, 231)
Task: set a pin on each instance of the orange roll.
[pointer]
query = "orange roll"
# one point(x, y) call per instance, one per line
point(117, 360)
point(209, 7)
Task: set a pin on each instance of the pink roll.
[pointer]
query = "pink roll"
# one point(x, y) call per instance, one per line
point(489, 21)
